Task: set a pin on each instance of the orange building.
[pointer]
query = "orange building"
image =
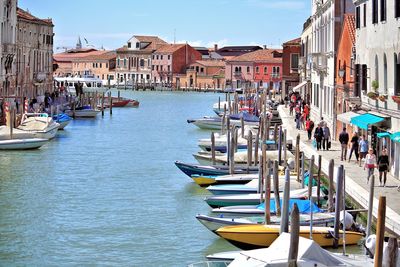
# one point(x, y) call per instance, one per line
point(63, 61)
point(346, 95)
point(204, 74)
point(102, 65)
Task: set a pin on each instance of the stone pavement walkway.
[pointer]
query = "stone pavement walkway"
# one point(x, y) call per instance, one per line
point(356, 177)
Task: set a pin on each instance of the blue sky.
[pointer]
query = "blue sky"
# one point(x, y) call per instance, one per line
point(110, 23)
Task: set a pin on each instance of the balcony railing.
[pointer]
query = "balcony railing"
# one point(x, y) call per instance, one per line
point(237, 73)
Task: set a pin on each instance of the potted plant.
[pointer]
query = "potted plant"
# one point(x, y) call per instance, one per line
point(396, 98)
point(383, 98)
point(374, 93)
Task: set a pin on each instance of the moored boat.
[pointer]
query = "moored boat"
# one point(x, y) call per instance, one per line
point(40, 125)
point(22, 144)
point(62, 119)
point(83, 112)
point(204, 180)
point(216, 170)
point(261, 235)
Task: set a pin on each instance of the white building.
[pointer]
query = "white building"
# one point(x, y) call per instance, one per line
point(378, 59)
point(8, 19)
point(326, 21)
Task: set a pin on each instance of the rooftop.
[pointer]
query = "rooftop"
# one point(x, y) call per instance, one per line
point(233, 51)
point(211, 63)
point(296, 41)
point(349, 20)
point(170, 48)
point(22, 14)
point(264, 55)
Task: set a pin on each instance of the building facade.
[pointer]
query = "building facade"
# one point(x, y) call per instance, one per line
point(8, 18)
point(326, 22)
point(34, 54)
point(134, 60)
point(261, 68)
point(101, 65)
point(204, 74)
point(170, 61)
point(290, 64)
point(63, 62)
point(378, 69)
point(348, 99)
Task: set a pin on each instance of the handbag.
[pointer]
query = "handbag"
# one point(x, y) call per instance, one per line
point(329, 144)
point(314, 143)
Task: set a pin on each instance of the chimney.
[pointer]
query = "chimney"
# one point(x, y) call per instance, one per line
point(215, 47)
point(265, 46)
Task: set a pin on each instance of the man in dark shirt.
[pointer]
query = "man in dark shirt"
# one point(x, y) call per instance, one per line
point(344, 140)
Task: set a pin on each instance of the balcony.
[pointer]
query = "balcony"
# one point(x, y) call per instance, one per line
point(40, 77)
point(319, 62)
point(237, 73)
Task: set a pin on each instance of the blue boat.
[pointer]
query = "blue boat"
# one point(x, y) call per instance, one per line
point(62, 119)
point(213, 170)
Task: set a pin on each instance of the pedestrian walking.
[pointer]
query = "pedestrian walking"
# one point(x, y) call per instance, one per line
point(309, 127)
point(344, 141)
point(318, 134)
point(326, 137)
point(363, 146)
point(322, 123)
point(383, 166)
point(354, 146)
point(298, 120)
point(370, 163)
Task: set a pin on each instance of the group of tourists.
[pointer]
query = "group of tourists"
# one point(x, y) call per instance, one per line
point(358, 145)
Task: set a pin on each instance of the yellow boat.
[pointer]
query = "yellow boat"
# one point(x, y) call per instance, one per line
point(203, 180)
point(261, 236)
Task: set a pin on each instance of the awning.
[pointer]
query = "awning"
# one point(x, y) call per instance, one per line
point(297, 87)
point(383, 135)
point(395, 137)
point(364, 120)
point(346, 117)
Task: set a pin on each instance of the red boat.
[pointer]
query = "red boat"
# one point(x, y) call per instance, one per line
point(122, 102)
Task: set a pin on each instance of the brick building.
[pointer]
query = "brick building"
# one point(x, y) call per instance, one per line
point(346, 96)
point(290, 64)
point(64, 61)
point(170, 61)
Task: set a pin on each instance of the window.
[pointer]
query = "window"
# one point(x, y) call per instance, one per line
point(396, 8)
point(157, 57)
point(197, 68)
point(257, 69)
point(202, 70)
point(365, 15)
point(157, 67)
point(102, 76)
point(142, 62)
point(161, 67)
point(357, 17)
point(101, 65)
point(152, 56)
point(106, 65)
point(129, 45)
point(137, 45)
point(125, 62)
point(169, 57)
point(94, 65)
point(152, 67)
point(294, 62)
point(169, 68)
point(161, 57)
point(374, 11)
point(248, 69)
point(265, 70)
point(383, 10)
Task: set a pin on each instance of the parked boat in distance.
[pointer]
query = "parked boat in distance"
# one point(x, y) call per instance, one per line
point(62, 119)
point(83, 112)
point(88, 82)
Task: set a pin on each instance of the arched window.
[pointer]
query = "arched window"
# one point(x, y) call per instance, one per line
point(396, 74)
point(236, 69)
point(240, 69)
point(385, 82)
point(257, 69)
point(261, 83)
point(248, 69)
point(376, 69)
point(265, 70)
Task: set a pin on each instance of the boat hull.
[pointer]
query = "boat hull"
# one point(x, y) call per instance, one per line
point(22, 144)
point(261, 236)
point(193, 169)
point(225, 179)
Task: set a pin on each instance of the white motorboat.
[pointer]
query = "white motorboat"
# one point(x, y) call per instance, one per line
point(40, 125)
point(240, 157)
point(22, 144)
point(207, 123)
point(88, 82)
point(309, 254)
point(17, 134)
point(83, 112)
point(214, 223)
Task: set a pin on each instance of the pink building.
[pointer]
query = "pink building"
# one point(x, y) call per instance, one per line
point(261, 68)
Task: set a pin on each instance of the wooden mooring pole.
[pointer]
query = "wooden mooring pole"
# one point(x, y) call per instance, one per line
point(285, 204)
point(338, 202)
point(298, 157)
point(380, 232)
point(370, 205)
point(330, 186)
point(294, 236)
point(213, 148)
point(276, 188)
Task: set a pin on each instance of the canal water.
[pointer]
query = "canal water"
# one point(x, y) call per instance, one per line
point(107, 192)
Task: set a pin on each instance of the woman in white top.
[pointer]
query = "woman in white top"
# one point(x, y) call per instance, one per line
point(370, 163)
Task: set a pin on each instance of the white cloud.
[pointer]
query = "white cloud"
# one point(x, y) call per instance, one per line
point(273, 4)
